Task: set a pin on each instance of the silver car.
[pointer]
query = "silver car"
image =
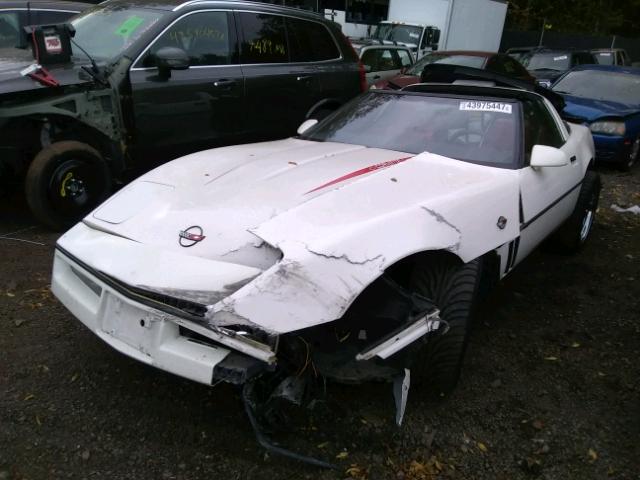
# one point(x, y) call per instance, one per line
point(384, 61)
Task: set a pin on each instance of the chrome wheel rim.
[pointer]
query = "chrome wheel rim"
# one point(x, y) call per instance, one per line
point(587, 222)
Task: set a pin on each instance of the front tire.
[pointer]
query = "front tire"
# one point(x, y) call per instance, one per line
point(453, 288)
point(65, 181)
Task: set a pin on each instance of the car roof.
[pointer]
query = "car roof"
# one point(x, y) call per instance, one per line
point(608, 68)
point(468, 53)
point(475, 90)
point(176, 5)
point(370, 46)
point(48, 4)
point(560, 50)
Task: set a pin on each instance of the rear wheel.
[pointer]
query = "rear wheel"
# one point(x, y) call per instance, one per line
point(453, 288)
point(575, 232)
point(65, 181)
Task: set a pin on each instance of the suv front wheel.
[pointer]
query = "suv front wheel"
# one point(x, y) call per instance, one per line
point(65, 181)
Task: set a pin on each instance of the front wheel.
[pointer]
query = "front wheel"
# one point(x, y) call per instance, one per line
point(452, 287)
point(65, 181)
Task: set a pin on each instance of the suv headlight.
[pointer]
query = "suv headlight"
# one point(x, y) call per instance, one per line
point(609, 127)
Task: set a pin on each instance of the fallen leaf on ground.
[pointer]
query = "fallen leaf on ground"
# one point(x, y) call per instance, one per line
point(482, 447)
point(593, 455)
point(342, 455)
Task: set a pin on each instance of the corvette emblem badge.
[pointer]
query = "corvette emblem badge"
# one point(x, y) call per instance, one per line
point(190, 236)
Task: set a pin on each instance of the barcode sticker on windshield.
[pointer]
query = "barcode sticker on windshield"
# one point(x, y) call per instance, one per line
point(561, 57)
point(476, 106)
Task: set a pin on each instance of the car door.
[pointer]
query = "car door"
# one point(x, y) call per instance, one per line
point(277, 91)
point(380, 63)
point(547, 195)
point(196, 108)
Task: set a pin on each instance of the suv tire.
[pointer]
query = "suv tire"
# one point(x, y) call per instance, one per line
point(65, 181)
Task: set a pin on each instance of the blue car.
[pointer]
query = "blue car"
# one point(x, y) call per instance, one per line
point(607, 99)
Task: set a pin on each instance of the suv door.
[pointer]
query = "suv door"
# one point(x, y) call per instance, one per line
point(548, 195)
point(278, 93)
point(196, 108)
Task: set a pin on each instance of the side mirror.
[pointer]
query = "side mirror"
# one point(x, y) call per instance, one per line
point(544, 156)
point(171, 58)
point(306, 125)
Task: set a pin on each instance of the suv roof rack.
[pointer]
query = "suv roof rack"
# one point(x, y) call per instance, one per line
point(452, 74)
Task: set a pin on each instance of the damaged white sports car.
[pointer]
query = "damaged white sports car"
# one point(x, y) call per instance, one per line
point(353, 251)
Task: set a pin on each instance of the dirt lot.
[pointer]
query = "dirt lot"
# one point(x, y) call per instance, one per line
point(551, 386)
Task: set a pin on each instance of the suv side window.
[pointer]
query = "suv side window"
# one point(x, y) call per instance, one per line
point(207, 37)
point(405, 58)
point(263, 38)
point(540, 127)
point(9, 29)
point(310, 41)
point(379, 59)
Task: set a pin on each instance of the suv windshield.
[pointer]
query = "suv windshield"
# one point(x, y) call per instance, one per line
point(106, 31)
point(607, 86)
point(470, 129)
point(461, 60)
point(547, 61)
point(398, 33)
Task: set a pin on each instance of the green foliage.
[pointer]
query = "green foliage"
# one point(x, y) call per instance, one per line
point(598, 17)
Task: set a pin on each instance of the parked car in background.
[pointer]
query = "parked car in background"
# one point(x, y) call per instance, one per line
point(167, 79)
point(382, 62)
point(607, 99)
point(547, 64)
point(16, 14)
point(612, 56)
point(519, 52)
point(495, 62)
point(419, 37)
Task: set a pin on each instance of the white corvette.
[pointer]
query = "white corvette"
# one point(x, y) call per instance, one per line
point(353, 251)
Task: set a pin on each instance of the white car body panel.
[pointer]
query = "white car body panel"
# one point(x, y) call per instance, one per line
point(264, 192)
point(293, 231)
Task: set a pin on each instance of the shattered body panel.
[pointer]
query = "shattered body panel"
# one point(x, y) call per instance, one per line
point(325, 264)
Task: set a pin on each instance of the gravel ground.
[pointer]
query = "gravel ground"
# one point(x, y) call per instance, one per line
point(550, 389)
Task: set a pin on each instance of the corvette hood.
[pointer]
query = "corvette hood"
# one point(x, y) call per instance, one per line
point(231, 193)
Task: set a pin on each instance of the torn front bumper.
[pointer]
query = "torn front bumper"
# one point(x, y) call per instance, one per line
point(150, 333)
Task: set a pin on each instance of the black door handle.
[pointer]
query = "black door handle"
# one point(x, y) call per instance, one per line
point(573, 159)
point(224, 83)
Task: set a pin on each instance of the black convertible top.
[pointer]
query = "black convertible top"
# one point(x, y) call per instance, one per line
point(483, 80)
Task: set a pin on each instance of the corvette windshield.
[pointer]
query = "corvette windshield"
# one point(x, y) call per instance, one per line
point(106, 31)
point(601, 85)
point(476, 130)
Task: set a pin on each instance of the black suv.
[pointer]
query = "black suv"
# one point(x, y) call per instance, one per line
point(547, 64)
point(151, 81)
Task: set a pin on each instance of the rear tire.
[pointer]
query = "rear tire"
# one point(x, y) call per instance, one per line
point(575, 232)
point(65, 181)
point(453, 288)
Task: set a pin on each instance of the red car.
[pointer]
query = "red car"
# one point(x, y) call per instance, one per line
point(496, 62)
